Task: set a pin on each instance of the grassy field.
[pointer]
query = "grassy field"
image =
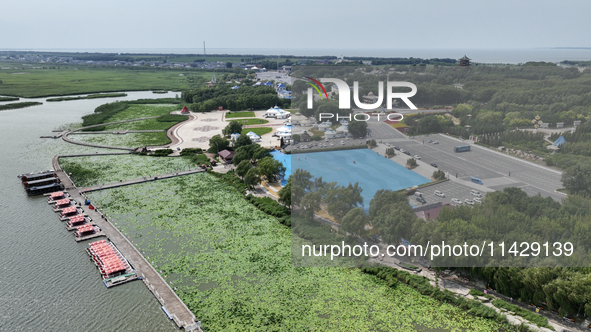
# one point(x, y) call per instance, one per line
point(259, 131)
point(240, 115)
point(248, 122)
point(31, 81)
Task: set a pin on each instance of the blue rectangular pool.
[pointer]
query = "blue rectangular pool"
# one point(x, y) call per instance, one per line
point(371, 170)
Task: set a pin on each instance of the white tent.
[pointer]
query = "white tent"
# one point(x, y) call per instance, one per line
point(273, 112)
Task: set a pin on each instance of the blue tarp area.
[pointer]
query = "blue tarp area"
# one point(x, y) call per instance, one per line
point(559, 141)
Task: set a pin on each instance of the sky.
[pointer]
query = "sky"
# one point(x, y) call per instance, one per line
point(305, 24)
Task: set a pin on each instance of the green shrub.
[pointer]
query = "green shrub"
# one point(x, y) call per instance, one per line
point(161, 153)
point(530, 316)
point(172, 118)
point(475, 292)
point(191, 151)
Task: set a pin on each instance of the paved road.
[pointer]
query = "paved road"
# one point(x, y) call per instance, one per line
point(497, 170)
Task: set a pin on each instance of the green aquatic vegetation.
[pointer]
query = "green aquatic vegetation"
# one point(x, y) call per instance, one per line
point(128, 140)
point(94, 170)
point(13, 106)
point(93, 96)
point(231, 264)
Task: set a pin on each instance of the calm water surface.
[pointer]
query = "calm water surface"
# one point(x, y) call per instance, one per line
point(47, 282)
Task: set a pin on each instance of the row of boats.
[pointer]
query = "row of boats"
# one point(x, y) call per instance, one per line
point(41, 183)
point(74, 216)
point(113, 266)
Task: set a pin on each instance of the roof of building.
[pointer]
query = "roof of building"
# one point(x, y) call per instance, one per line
point(226, 154)
point(559, 141)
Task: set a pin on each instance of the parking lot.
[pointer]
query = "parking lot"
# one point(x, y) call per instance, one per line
point(497, 170)
point(450, 190)
point(325, 144)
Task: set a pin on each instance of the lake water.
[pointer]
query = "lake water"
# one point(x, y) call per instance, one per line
point(47, 282)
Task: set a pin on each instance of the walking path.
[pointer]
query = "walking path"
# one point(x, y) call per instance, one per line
point(140, 180)
point(171, 303)
point(65, 134)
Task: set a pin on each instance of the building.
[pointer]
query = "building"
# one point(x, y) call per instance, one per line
point(305, 137)
point(297, 118)
point(464, 62)
point(559, 141)
point(226, 155)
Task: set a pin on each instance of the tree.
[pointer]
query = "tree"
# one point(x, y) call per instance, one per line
point(228, 65)
point(439, 175)
point(270, 168)
point(342, 199)
point(234, 127)
point(411, 163)
point(311, 203)
point(354, 222)
point(252, 177)
point(243, 167)
point(260, 153)
point(429, 124)
point(577, 179)
point(222, 144)
point(358, 129)
point(243, 140)
point(285, 193)
point(390, 152)
point(372, 143)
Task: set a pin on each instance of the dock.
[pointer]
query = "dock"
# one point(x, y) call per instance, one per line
point(91, 236)
point(178, 311)
point(140, 180)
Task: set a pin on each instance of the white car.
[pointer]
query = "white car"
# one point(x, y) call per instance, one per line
point(475, 193)
point(402, 150)
point(456, 201)
point(439, 193)
point(469, 201)
point(417, 157)
point(477, 200)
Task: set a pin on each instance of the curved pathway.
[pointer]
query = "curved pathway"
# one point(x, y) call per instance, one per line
point(65, 135)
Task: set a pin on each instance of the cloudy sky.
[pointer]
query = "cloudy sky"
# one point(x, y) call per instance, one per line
point(380, 24)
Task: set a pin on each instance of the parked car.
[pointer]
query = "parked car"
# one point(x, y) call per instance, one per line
point(469, 201)
point(406, 152)
point(417, 157)
point(402, 150)
point(477, 200)
point(456, 201)
point(475, 193)
point(430, 141)
point(418, 194)
point(434, 165)
point(436, 142)
point(439, 193)
point(396, 148)
point(421, 199)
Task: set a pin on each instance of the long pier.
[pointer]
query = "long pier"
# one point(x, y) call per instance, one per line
point(140, 180)
point(171, 303)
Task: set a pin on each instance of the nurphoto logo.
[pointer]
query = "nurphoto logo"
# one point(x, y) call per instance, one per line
point(345, 91)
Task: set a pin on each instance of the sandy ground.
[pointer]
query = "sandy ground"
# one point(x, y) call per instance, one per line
point(196, 132)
